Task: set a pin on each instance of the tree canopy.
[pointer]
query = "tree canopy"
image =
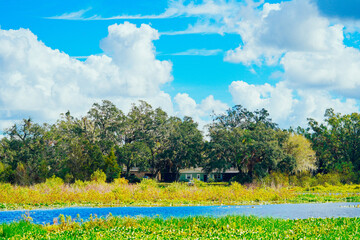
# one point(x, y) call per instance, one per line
point(108, 141)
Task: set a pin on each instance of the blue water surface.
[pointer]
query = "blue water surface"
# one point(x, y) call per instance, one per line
point(285, 211)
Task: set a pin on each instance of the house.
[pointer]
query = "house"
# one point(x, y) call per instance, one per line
point(136, 172)
point(198, 173)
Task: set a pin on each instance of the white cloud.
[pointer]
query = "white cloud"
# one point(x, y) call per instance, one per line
point(200, 27)
point(213, 16)
point(277, 100)
point(78, 15)
point(288, 107)
point(41, 82)
point(278, 28)
point(310, 48)
point(293, 35)
point(312, 52)
point(337, 70)
point(312, 104)
point(176, 9)
point(132, 52)
point(198, 52)
point(201, 112)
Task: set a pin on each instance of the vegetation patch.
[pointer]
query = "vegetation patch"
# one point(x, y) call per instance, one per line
point(54, 193)
point(230, 227)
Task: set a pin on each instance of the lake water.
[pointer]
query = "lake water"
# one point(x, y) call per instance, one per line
point(286, 211)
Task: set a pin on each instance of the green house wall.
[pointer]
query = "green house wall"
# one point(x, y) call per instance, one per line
point(194, 176)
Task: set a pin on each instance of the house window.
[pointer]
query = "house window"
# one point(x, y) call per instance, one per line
point(188, 176)
point(217, 176)
point(198, 176)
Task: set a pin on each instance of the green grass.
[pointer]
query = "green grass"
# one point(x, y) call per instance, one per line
point(230, 227)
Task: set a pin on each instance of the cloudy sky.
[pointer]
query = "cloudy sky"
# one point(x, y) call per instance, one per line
point(295, 58)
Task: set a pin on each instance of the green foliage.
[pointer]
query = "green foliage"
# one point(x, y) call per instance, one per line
point(6, 173)
point(133, 179)
point(199, 183)
point(82, 184)
point(134, 154)
point(249, 141)
point(330, 178)
point(121, 181)
point(108, 124)
point(148, 139)
point(68, 178)
point(54, 181)
point(302, 179)
point(112, 168)
point(184, 147)
point(300, 148)
point(148, 183)
point(336, 140)
point(21, 175)
point(346, 172)
point(198, 227)
point(150, 193)
point(98, 176)
point(276, 179)
point(20, 230)
point(210, 180)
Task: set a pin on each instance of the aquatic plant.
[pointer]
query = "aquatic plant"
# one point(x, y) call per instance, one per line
point(230, 227)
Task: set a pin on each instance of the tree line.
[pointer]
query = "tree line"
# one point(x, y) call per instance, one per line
point(110, 141)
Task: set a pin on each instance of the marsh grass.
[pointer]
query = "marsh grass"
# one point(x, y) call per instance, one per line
point(230, 227)
point(55, 193)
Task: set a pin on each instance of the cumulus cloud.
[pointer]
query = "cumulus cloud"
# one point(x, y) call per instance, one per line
point(277, 100)
point(278, 28)
point(41, 82)
point(337, 70)
point(313, 104)
point(306, 44)
point(200, 112)
point(317, 65)
point(132, 51)
point(295, 35)
point(289, 107)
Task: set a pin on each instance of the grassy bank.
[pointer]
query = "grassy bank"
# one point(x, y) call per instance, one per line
point(231, 227)
point(149, 193)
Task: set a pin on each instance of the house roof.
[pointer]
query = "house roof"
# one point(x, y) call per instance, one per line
point(200, 170)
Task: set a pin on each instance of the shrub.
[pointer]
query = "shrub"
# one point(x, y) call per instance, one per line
point(346, 171)
point(146, 183)
point(210, 180)
point(134, 179)
point(54, 181)
point(187, 180)
point(276, 179)
point(241, 178)
point(80, 184)
point(199, 183)
point(69, 178)
point(98, 176)
point(302, 179)
point(237, 186)
point(330, 178)
point(121, 181)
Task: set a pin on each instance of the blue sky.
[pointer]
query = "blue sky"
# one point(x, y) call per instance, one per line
point(295, 58)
